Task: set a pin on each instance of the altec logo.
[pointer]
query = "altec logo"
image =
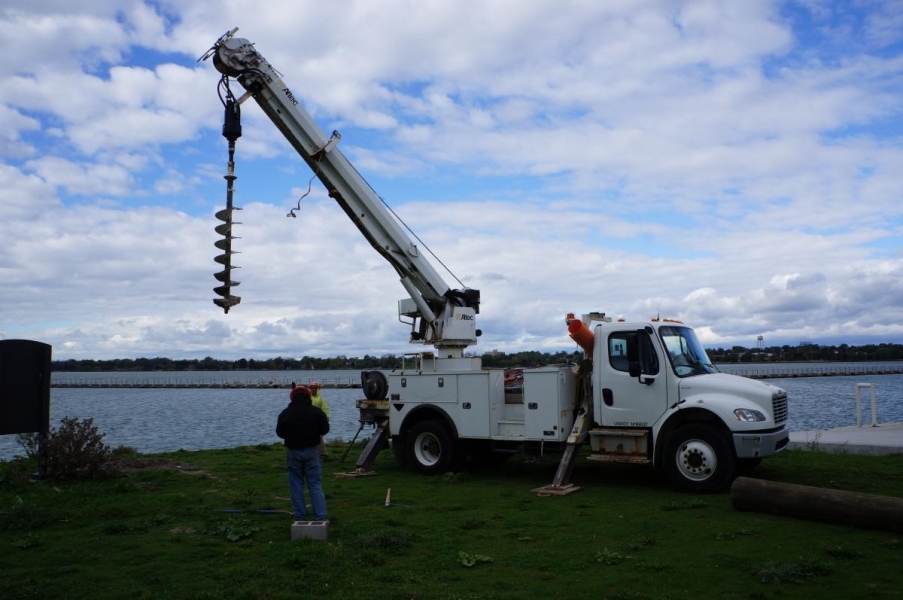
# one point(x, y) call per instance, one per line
point(288, 94)
point(463, 317)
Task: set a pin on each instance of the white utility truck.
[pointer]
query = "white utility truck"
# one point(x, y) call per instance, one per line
point(646, 392)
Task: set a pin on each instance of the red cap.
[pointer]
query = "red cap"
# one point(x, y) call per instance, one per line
point(298, 390)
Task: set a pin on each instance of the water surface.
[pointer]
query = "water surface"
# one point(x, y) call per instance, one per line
point(165, 420)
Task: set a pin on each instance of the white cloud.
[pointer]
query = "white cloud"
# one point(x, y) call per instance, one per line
point(25, 198)
point(84, 179)
point(59, 41)
point(12, 125)
point(732, 164)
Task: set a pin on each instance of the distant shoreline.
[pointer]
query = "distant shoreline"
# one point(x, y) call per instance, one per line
point(226, 385)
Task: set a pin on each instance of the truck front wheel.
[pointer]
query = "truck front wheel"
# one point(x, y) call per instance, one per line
point(698, 459)
point(430, 448)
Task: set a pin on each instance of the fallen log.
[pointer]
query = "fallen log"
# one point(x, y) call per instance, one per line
point(868, 511)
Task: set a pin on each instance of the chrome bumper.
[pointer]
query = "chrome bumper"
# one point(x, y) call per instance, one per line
point(758, 444)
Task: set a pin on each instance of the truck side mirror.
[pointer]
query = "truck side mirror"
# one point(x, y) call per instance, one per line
point(639, 349)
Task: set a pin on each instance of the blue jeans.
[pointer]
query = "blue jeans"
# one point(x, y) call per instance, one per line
point(304, 467)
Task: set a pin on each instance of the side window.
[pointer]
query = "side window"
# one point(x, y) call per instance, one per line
point(617, 351)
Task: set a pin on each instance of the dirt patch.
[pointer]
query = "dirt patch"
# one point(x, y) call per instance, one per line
point(136, 465)
point(182, 529)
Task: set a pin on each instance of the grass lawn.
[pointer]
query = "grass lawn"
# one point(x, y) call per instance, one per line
point(163, 530)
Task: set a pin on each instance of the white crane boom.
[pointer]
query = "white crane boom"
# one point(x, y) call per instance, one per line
point(439, 315)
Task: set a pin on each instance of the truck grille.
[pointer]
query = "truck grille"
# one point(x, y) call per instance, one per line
point(779, 408)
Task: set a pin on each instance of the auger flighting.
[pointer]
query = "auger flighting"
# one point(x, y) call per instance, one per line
point(231, 131)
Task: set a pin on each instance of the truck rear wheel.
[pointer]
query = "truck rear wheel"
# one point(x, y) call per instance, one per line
point(699, 460)
point(430, 448)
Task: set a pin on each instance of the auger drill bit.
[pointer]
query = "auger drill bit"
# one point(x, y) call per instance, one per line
point(231, 131)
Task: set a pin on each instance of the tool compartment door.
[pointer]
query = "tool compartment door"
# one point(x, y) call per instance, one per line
point(548, 403)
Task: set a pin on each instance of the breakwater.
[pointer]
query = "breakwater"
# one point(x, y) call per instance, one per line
point(785, 370)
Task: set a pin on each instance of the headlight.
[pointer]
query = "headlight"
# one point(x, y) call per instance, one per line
point(746, 414)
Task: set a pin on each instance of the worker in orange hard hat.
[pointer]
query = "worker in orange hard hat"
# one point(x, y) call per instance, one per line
point(319, 401)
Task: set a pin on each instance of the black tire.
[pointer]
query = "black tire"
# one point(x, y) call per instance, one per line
point(430, 448)
point(698, 459)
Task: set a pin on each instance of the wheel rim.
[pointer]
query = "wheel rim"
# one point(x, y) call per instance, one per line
point(696, 460)
point(427, 449)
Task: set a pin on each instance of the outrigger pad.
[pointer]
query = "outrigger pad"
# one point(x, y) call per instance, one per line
point(556, 490)
point(355, 474)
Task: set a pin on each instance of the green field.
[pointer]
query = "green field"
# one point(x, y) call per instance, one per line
point(161, 531)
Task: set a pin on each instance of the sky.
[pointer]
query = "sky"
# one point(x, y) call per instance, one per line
point(734, 165)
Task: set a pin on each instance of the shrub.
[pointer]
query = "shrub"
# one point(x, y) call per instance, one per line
point(30, 443)
point(76, 451)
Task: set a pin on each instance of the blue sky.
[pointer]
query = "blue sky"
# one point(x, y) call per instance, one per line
point(734, 165)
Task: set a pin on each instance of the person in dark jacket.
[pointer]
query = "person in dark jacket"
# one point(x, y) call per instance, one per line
point(301, 425)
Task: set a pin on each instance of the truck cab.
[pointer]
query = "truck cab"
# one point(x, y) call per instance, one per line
point(657, 397)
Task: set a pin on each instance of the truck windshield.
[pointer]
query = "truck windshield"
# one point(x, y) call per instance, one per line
point(685, 352)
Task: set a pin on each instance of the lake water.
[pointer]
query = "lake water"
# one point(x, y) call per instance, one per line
point(164, 420)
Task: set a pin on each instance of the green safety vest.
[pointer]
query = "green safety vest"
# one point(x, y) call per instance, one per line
point(320, 402)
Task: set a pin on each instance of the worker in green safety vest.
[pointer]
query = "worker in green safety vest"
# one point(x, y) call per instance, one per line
point(319, 401)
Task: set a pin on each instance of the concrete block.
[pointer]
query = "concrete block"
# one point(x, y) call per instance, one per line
point(315, 530)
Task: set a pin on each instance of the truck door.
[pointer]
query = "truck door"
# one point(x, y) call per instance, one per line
point(623, 400)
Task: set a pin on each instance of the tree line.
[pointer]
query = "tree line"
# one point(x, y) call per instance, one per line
point(494, 359)
point(808, 353)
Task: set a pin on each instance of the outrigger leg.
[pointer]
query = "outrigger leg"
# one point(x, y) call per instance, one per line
point(560, 486)
point(372, 412)
point(351, 443)
point(365, 460)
